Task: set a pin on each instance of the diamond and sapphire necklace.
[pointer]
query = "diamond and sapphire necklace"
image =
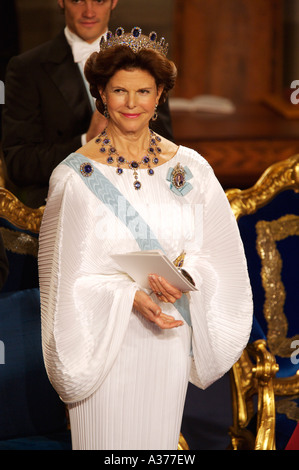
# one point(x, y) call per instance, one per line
point(107, 148)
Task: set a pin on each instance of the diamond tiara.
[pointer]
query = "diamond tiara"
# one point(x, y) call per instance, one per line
point(135, 40)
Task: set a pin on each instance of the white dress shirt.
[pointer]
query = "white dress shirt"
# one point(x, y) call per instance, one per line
point(81, 51)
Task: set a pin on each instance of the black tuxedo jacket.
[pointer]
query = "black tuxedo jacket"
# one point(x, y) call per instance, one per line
point(46, 111)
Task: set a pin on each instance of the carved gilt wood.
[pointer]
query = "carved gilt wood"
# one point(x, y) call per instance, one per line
point(18, 214)
point(255, 372)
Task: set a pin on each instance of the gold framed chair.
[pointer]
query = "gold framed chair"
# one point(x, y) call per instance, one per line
point(19, 228)
point(265, 381)
point(17, 213)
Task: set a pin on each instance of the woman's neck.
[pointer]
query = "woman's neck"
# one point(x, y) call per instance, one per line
point(134, 144)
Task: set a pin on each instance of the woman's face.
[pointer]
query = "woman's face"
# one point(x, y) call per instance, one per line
point(131, 97)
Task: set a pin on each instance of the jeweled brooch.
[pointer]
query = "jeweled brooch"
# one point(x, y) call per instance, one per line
point(179, 177)
point(86, 169)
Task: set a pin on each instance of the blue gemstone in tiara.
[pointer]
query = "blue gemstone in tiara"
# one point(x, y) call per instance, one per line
point(153, 36)
point(119, 32)
point(136, 32)
point(135, 40)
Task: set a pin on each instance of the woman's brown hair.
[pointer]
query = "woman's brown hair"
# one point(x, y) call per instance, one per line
point(101, 66)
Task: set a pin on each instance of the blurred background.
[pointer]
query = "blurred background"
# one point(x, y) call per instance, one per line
point(40, 20)
point(236, 57)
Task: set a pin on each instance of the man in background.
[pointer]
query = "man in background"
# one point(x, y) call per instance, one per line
point(9, 39)
point(48, 111)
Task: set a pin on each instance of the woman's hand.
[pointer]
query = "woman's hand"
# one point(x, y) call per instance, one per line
point(165, 291)
point(152, 312)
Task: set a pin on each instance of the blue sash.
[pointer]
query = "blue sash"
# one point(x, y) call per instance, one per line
point(106, 192)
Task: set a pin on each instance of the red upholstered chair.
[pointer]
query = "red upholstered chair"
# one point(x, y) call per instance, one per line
point(293, 443)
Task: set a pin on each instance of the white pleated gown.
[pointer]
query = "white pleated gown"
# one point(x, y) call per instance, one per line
point(123, 378)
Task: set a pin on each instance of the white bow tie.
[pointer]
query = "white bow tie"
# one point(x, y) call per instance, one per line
point(82, 50)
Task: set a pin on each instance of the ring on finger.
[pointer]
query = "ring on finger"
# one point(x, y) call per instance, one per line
point(158, 293)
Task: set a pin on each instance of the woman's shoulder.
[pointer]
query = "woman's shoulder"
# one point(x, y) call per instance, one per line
point(88, 150)
point(185, 155)
point(196, 159)
point(169, 148)
point(65, 170)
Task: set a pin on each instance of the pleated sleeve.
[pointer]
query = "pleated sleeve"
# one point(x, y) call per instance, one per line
point(221, 310)
point(85, 303)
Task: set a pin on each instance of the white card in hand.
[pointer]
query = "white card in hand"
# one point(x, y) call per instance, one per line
point(139, 264)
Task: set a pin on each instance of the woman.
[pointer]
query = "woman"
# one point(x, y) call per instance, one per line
point(118, 354)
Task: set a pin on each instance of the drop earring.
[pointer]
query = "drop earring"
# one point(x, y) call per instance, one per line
point(155, 116)
point(106, 112)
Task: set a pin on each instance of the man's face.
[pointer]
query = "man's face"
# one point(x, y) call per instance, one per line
point(87, 18)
